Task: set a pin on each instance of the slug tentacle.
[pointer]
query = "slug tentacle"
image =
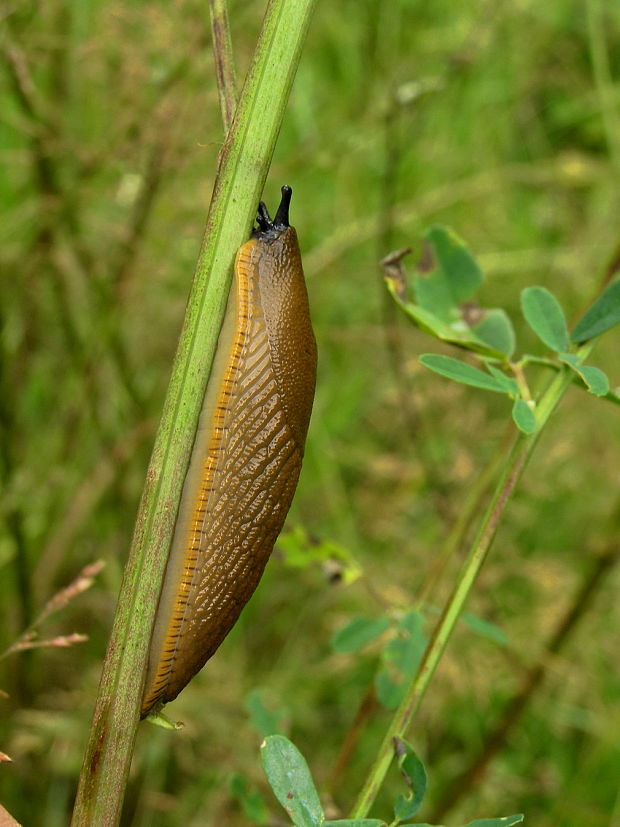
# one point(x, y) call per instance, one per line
point(246, 457)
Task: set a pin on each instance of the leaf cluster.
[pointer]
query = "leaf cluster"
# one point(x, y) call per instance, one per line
point(440, 301)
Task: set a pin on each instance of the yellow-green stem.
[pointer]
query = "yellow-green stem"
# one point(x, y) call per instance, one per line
point(516, 460)
point(243, 168)
point(224, 61)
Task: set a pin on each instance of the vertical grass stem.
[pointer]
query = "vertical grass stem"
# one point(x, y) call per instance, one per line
point(244, 163)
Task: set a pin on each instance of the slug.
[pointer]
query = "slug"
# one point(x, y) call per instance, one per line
point(246, 457)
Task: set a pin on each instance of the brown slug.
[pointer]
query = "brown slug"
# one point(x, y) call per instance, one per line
point(246, 457)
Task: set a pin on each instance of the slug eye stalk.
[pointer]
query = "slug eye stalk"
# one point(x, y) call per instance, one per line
point(246, 458)
point(268, 229)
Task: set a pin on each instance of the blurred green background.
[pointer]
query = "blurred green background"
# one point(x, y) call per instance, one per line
point(501, 120)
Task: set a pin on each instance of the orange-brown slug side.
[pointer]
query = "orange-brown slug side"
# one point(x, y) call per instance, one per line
point(246, 458)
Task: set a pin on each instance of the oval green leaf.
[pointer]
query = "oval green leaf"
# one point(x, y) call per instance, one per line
point(596, 381)
point(359, 632)
point(523, 416)
point(604, 314)
point(496, 330)
point(447, 273)
point(545, 316)
point(289, 777)
point(461, 372)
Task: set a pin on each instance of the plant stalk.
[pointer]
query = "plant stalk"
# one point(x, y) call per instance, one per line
point(224, 61)
point(516, 460)
point(244, 163)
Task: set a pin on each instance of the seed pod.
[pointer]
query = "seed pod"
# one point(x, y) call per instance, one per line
point(246, 458)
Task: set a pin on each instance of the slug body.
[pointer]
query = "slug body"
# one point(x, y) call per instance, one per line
point(246, 458)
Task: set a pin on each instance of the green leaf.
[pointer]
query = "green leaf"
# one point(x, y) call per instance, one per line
point(507, 821)
point(447, 273)
point(523, 416)
point(596, 381)
point(358, 633)
point(603, 315)
point(545, 316)
point(355, 822)
point(496, 330)
point(461, 372)
point(263, 720)
point(484, 628)
point(289, 777)
point(416, 779)
point(455, 329)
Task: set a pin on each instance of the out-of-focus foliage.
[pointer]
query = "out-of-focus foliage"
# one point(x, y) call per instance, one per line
point(499, 120)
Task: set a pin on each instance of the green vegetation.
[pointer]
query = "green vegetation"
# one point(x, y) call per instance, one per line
point(501, 122)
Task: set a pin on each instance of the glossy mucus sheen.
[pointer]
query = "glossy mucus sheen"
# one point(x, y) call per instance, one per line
point(246, 458)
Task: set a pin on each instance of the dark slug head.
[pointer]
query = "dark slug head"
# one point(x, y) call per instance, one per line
point(267, 229)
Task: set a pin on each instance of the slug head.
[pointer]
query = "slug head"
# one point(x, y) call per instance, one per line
point(267, 229)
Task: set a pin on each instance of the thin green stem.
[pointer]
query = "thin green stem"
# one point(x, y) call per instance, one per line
point(243, 168)
point(516, 460)
point(224, 61)
point(521, 380)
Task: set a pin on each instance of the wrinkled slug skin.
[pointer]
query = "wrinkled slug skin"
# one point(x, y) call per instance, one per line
point(245, 462)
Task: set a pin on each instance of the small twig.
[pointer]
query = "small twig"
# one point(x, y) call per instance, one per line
point(26, 643)
point(27, 640)
point(82, 582)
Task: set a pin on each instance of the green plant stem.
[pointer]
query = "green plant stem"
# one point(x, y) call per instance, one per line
point(243, 168)
point(516, 461)
point(224, 61)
